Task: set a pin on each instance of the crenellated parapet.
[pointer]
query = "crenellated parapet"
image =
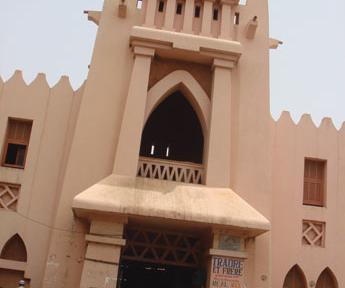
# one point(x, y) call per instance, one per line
point(306, 122)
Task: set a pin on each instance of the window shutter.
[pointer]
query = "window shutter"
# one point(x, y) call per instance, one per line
point(314, 182)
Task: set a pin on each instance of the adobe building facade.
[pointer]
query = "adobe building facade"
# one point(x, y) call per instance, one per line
point(165, 169)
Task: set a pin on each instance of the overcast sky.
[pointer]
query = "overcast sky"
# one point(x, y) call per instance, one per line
point(307, 71)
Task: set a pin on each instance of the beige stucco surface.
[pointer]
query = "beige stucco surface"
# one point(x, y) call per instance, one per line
point(165, 199)
point(256, 163)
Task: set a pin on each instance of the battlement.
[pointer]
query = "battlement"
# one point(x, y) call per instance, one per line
point(306, 122)
point(40, 80)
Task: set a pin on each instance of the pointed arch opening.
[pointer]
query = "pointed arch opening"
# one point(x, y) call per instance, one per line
point(14, 249)
point(177, 119)
point(327, 279)
point(295, 278)
point(173, 132)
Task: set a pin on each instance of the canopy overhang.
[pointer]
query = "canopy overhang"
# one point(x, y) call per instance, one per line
point(143, 197)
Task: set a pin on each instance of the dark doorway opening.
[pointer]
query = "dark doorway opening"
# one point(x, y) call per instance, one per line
point(134, 274)
point(173, 132)
point(157, 258)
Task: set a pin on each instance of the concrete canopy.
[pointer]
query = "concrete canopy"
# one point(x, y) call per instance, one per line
point(127, 196)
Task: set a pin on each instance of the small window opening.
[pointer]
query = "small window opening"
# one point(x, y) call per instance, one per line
point(139, 4)
point(179, 8)
point(16, 143)
point(152, 152)
point(161, 6)
point(215, 14)
point(197, 11)
point(237, 18)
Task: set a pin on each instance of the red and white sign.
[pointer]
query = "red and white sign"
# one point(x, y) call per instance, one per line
point(226, 272)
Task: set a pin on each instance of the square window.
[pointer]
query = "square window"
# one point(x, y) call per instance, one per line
point(16, 142)
point(314, 182)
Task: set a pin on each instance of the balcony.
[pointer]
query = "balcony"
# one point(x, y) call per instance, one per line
point(177, 171)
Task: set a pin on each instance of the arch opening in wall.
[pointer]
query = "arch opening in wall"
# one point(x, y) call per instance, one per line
point(14, 258)
point(295, 278)
point(173, 131)
point(14, 249)
point(327, 279)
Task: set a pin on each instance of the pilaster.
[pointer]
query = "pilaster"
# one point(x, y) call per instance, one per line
point(188, 17)
point(219, 145)
point(127, 153)
point(150, 13)
point(102, 255)
point(207, 18)
point(226, 24)
point(169, 15)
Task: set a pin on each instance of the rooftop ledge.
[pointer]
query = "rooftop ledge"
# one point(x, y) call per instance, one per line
point(199, 48)
point(127, 196)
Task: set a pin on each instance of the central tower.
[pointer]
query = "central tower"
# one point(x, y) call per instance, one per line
point(172, 143)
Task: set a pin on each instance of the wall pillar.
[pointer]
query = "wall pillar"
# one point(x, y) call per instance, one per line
point(150, 13)
point(188, 17)
point(102, 255)
point(127, 153)
point(226, 24)
point(219, 144)
point(169, 15)
point(207, 18)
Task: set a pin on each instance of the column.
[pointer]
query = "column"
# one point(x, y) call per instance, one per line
point(150, 13)
point(102, 255)
point(169, 15)
point(127, 153)
point(219, 142)
point(188, 17)
point(226, 21)
point(207, 18)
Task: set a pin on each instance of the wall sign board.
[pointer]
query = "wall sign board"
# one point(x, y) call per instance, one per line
point(226, 272)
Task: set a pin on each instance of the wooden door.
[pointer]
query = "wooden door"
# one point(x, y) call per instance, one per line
point(326, 280)
point(295, 278)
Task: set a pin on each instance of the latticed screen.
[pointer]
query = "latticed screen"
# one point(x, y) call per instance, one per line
point(9, 194)
point(314, 182)
point(313, 233)
point(17, 141)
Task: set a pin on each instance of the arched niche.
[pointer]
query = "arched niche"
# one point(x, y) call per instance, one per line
point(183, 81)
point(295, 278)
point(173, 131)
point(327, 279)
point(14, 249)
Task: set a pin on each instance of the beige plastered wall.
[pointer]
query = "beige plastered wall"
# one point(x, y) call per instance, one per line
point(99, 122)
point(291, 144)
point(266, 157)
point(53, 112)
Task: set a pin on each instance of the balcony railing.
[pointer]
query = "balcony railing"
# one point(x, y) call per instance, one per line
point(185, 172)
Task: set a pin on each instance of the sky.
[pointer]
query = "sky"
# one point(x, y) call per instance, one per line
point(307, 73)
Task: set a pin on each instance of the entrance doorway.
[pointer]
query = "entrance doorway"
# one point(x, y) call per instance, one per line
point(156, 258)
point(137, 274)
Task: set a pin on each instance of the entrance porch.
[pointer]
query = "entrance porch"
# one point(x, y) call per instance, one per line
point(156, 233)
